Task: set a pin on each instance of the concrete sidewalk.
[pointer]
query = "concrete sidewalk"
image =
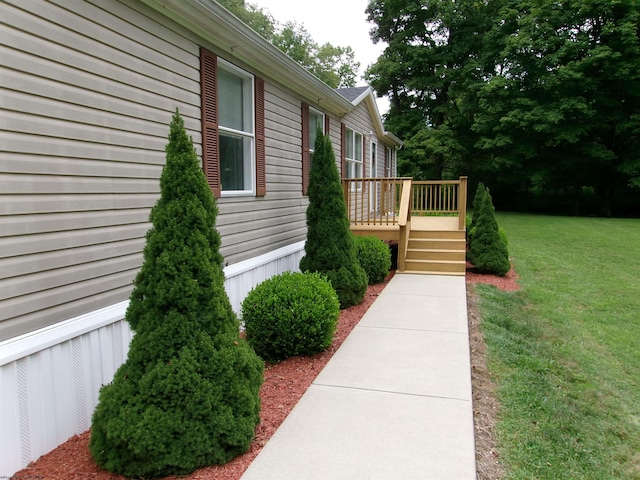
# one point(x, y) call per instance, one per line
point(394, 402)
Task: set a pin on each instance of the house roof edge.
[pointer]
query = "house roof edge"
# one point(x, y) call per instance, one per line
point(214, 23)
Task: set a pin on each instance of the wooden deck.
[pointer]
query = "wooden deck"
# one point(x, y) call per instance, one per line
point(427, 219)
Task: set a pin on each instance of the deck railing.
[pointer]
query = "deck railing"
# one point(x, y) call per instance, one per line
point(377, 201)
point(372, 201)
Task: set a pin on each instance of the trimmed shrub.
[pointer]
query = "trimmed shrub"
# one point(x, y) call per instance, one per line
point(481, 192)
point(291, 314)
point(488, 251)
point(188, 394)
point(330, 247)
point(503, 236)
point(375, 257)
point(468, 229)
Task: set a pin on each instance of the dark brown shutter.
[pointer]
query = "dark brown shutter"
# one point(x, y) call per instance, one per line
point(327, 125)
point(209, 102)
point(343, 150)
point(261, 161)
point(306, 155)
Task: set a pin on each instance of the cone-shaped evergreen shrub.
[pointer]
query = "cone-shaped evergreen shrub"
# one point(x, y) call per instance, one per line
point(188, 394)
point(487, 250)
point(330, 247)
point(481, 191)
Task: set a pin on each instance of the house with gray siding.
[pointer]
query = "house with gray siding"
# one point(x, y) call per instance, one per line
point(87, 90)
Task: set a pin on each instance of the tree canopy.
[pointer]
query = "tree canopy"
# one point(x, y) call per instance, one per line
point(533, 97)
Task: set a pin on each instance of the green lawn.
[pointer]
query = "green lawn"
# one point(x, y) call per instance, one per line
point(565, 349)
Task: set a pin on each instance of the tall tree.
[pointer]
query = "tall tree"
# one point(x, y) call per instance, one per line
point(431, 58)
point(562, 108)
point(335, 66)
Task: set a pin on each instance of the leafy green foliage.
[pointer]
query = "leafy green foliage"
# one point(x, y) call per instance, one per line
point(503, 236)
point(291, 314)
point(539, 97)
point(481, 192)
point(430, 62)
point(188, 394)
point(375, 257)
point(487, 251)
point(335, 66)
point(565, 108)
point(330, 247)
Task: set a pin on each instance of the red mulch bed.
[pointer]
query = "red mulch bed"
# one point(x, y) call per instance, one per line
point(507, 283)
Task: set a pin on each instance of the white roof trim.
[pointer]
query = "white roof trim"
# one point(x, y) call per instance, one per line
point(370, 100)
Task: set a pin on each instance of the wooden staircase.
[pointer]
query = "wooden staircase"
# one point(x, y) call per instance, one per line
point(436, 252)
point(426, 218)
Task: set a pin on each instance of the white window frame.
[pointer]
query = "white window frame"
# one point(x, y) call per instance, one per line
point(354, 164)
point(373, 158)
point(247, 133)
point(312, 130)
point(391, 167)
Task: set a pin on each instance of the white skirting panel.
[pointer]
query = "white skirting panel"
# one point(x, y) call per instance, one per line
point(50, 379)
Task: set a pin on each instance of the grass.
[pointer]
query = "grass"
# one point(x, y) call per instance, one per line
point(565, 349)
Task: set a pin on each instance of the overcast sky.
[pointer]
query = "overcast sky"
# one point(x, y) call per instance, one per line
point(340, 22)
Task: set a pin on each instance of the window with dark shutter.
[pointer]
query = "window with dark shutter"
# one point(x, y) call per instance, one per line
point(233, 147)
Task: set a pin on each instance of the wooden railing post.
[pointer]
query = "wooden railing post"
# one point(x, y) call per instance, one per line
point(462, 203)
point(404, 222)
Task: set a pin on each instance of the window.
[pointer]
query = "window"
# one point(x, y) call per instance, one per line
point(236, 130)
point(353, 154)
point(233, 147)
point(316, 120)
point(311, 120)
point(373, 167)
point(390, 167)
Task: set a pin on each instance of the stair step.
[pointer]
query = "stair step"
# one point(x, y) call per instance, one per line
point(433, 272)
point(437, 244)
point(451, 234)
point(436, 265)
point(435, 254)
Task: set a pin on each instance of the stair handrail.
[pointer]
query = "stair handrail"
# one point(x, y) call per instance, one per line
point(404, 222)
point(462, 203)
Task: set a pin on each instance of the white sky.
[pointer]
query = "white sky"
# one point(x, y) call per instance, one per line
point(342, 23)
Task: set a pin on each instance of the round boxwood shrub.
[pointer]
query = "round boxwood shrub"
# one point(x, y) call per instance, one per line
point(291, 314)
point(375, 257)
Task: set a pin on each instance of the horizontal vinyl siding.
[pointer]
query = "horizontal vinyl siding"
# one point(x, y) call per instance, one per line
point(88, 90)
point(252, 226)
